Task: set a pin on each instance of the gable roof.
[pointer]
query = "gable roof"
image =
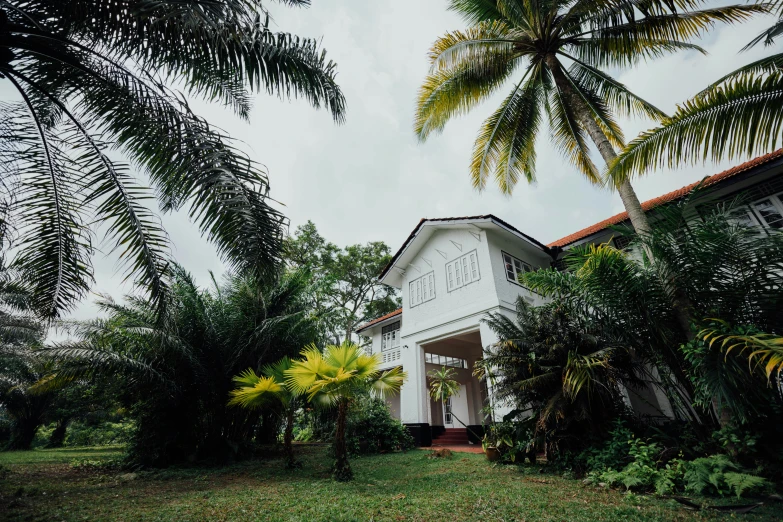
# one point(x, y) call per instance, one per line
point(379, 320)
point(667, 198)
point(486, 217)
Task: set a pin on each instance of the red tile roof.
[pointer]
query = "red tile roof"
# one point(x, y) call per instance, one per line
point(667, 198)
point(380, 319)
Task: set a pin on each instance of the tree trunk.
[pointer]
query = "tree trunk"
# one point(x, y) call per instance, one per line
point(342, 468)
point(22, 433)
point(627, 194)
point(288, 436)
point(57, 438)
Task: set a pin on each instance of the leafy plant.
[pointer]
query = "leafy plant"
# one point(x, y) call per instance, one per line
point(372, 429)
point(644, 472)
point(718, 475)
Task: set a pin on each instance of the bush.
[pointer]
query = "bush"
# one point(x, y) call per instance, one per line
point(89, 434)
point(372, 429)
point(515, 440)
point(614, 454)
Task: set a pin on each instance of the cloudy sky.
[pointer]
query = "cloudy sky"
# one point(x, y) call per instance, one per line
point(370, 179)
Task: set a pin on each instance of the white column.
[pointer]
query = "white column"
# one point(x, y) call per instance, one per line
point(413, 396)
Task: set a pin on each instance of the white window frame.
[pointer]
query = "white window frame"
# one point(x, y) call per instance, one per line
point(421, 289)
point(509, 258)
point(390, 336)
point(462, 271)
point(777, 203)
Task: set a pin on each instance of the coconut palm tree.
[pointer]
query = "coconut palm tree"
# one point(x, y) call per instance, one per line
point(556, 51)
point(739, 115)
point(91, 82)
point(254, 391)
point(337, 376)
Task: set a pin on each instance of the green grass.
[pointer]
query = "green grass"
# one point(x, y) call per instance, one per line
point(43, 485)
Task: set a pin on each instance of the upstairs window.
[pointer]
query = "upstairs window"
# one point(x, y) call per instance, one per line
point(390, 337)
point(462, 271)
point(621, 242)
point(515, 267)
point(422, 289)
point(770, 211)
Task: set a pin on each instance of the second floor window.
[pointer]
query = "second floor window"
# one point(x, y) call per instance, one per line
point(462, 271)
point(422, 289)
point(514, 267)
point(390, 338)
point(770, 211)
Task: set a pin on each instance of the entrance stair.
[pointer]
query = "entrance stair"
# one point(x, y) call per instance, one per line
point(451, 437)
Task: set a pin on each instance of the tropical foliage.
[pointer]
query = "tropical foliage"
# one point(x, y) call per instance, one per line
point(254, 391)
point(92, 82)
point(338, 376)
point(551, 361)
point(739, 115)
point(349, 292)
point(178, 371)
point(556, 53)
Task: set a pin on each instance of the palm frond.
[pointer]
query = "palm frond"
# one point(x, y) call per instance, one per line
point(739, 118)
point(505, 146)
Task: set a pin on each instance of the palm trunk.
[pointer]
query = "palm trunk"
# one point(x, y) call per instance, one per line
point(681, 305)
point(342, 468)
point(288, 436)
point(57, 438)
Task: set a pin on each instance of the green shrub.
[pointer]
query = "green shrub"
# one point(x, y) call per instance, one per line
point(515, 440)
point(718, 475)
point(89, 434)
point(614, 454)
point(372, 429)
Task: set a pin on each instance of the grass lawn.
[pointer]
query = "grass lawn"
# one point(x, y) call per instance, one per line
point(44, 485)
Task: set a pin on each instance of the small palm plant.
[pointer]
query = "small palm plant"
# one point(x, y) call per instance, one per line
point(336, 377)
point(256, 391)
point(443, 386)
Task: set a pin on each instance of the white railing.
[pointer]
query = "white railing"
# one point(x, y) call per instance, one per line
point(391, 356)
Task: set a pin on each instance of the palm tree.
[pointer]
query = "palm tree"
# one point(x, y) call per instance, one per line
point(178, 369)
point(550, 361)
point(256, 391)
point(443, 387)
point(728, 272)
point(741, 114)
point(562, 47)
point(91, 83)
point(338, 376)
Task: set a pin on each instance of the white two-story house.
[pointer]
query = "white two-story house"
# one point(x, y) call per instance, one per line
point(452, 272)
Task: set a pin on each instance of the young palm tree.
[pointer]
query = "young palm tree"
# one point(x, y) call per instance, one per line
point(561, 47)
point(338, 376)
point(443, 387)
point(550, 361)
point(256, 391)
point(741, 114)
point(91, 80)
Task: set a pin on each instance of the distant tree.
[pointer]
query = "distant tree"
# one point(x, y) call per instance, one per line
point(347, 280)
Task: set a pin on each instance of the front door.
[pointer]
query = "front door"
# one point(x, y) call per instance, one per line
point(456, 406)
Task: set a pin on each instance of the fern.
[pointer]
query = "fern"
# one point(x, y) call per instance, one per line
point(742, 482)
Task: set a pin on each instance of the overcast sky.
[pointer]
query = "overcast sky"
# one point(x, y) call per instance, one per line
point(370, 179)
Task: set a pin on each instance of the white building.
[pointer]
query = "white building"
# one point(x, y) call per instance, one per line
point(453, 271)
